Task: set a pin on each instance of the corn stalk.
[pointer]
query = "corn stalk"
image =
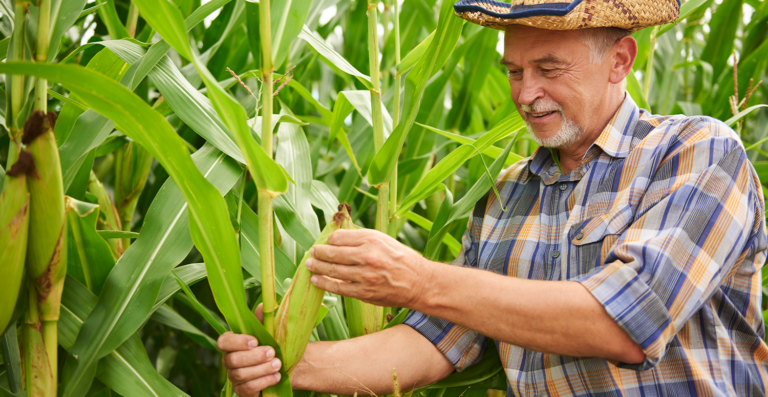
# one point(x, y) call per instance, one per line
point(266, 226)
point(394, 225)
point(365, 318)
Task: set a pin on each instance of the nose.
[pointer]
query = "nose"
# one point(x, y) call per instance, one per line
point(530, 89)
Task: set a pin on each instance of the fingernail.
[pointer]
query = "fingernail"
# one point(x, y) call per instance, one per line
point(313, 279)
point(276, 363)
point(312, 251)
point(278, 376)
point(309, 263)
point(270, 353)
point(251, 343)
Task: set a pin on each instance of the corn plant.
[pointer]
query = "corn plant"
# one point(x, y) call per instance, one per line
point(147, 146)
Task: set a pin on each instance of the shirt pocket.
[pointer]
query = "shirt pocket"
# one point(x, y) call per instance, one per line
point(590, 243)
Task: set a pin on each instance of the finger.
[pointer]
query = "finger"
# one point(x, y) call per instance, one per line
point(349, 237)
point(259, 312)
point(230, 342)
point(257, 356)
point(246, 374)
point(334, 286)
point(252, 388)
point(337, 254)
point(334, 270)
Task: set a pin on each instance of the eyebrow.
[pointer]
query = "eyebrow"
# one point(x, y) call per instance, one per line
point(548, 58)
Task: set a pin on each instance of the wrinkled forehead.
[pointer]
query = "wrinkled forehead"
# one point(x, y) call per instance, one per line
point(525, 43)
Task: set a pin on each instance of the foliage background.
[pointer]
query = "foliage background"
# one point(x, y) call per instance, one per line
point(688, 69)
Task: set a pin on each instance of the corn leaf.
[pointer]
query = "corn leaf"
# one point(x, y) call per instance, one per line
point(288, 17)
point(455, 159)
point(446, 38)
point(335, 60)
point(126, 370)
point(88, 253)
point(491, 151)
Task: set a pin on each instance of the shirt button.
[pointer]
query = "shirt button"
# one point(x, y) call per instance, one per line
point(563, 186)
point(555, 254)
point(579, 236)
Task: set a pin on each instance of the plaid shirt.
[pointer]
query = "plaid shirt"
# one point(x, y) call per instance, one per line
point(664, 223)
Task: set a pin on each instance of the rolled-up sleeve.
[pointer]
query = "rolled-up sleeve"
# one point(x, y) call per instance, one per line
point(460, 345)
point(678, 251)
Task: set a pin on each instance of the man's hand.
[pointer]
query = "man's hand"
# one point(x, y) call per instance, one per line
point(370, 266)
point(251, 368)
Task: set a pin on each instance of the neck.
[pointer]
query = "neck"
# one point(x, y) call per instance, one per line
point(571, 156)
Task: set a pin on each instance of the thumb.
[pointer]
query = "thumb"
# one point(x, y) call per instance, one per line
point(259, 312)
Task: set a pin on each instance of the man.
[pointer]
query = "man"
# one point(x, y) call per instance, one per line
point(633, 268)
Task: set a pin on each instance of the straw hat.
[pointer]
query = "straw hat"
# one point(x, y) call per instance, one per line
point(579, 14)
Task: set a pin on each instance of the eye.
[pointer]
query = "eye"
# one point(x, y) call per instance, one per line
point(514, 74)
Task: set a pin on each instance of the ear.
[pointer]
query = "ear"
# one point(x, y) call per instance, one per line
point(623, 56)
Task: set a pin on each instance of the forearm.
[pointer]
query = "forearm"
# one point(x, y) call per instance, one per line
point(558, 317)
point(365, 364)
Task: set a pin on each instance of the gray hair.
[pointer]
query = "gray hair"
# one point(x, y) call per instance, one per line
point(600, 41)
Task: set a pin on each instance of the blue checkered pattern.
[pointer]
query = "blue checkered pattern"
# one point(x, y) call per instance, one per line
point(664, 223)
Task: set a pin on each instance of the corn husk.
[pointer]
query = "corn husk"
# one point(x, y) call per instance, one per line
point(14, 222)
point(47, 246)
point(298, 311)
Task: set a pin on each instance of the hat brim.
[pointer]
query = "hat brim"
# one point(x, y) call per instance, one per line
point(578, 14)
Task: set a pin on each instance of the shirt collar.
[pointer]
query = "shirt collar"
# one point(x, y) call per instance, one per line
point(615, 140)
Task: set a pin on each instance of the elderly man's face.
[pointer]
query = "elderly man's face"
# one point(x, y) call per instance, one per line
point(554, 84)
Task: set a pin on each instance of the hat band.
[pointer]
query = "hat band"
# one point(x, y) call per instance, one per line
point(517, 11)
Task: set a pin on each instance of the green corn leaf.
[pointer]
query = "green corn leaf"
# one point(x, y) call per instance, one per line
point(346, 102)
point(167, 20)
point(113, 234)
point(64, 13)
point(163, 243)
point(249, 248)
point(446, 38)
point(108, 14)
point(410, 60)
point(438, 230)
point(323, 198)
point(190, 274)
point(335, 60)
point(88, 253)
point(456, 158)
point(462, 207)
point(450, 241)
point(268, 176)
point(743, 114)
point(293, 154)
point(636, 91)
point(202, 310)
point(167, 316)
point(288, 18)
point(90, 10)
point(723, 25)
point(126, 370)
point(491, 151)
point(686, 9)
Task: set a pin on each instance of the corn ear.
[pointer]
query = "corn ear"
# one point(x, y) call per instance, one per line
point(46, 260)
point(297, 313)
point(132, 167)
point(14, 221)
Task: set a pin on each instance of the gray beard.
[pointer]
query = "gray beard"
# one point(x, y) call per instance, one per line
point(568, 134)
